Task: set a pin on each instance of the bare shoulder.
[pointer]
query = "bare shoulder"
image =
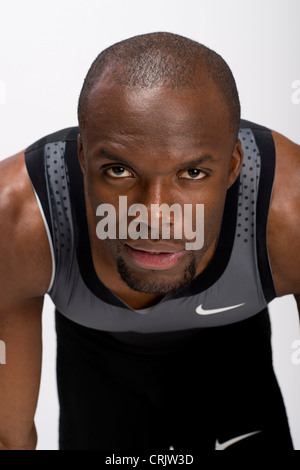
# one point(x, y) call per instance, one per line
point(26, 265)
point(284, 217)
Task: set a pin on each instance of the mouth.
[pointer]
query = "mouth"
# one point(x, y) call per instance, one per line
point(160, 258)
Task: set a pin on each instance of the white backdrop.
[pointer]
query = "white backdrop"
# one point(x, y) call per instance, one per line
point(46, 48)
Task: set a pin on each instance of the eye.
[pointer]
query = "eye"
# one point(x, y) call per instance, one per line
point(118, 172)
point(193, 174)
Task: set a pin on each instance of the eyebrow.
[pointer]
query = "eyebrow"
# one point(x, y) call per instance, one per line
point(206, 158)
point(113, 157)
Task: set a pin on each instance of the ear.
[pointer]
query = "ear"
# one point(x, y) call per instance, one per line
point(81, 154)
point(236, 163)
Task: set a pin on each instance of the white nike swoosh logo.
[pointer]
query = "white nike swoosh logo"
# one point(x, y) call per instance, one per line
point(201, 310)
point(229, 443)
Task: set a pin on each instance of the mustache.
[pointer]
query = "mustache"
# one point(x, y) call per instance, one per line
point(146, 239)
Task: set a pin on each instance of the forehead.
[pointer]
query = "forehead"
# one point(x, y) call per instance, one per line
point(160, 116)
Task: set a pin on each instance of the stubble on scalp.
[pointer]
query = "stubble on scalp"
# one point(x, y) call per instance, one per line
point(163, 60)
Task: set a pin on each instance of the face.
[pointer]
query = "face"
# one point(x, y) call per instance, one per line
point(157, 146)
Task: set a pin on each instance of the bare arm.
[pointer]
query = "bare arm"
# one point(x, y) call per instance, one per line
point(20, 329)
point(25, 271)
point(283, 224)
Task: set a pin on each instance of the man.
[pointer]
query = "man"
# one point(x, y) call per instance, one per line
point(159, 346)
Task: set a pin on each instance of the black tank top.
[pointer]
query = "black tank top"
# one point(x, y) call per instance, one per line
point(236, 285)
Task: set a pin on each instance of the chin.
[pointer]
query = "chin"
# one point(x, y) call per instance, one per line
point(156, 282)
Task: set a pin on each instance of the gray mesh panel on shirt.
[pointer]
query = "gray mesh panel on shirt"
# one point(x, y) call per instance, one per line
point(59, 196)
point(248, 187)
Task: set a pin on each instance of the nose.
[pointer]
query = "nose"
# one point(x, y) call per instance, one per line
point(162, 213)
point(157, 195)
point(154, 191)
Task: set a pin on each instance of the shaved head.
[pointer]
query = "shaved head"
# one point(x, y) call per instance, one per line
point(163, 60)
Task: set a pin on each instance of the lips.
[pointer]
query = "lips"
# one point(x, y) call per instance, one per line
point(162, 257)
